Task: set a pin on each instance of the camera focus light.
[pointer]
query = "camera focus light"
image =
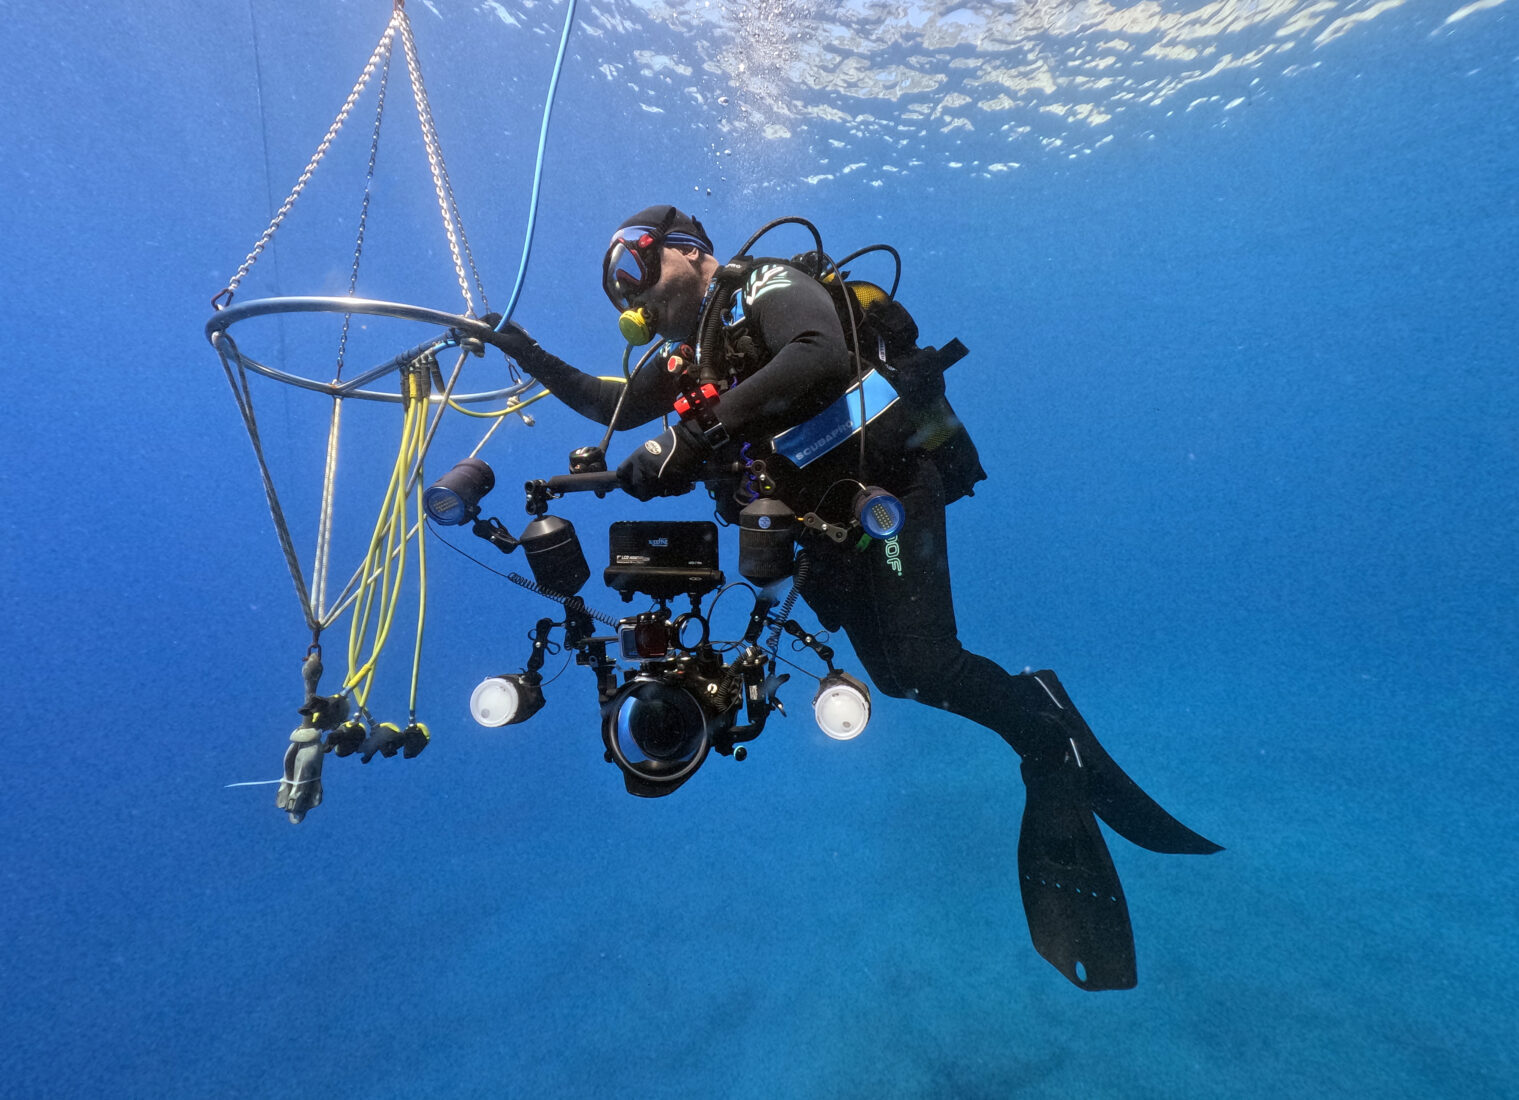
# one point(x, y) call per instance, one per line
point(454, 499)
point(841, 706)
point(878, 512)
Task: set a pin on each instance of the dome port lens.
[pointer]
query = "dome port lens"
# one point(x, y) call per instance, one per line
point(660, 723)
point(657, 735)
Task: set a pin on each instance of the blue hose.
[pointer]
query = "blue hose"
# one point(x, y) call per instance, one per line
point(543, 138)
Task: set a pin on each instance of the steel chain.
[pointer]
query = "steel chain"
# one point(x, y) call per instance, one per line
point(358, 247)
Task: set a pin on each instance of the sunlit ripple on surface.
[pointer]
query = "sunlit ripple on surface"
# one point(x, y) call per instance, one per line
point(857, 86)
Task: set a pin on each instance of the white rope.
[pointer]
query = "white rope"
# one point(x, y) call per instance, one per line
point(319, 568)
point(351, 589)
point(441, 185)
point(224, 345)
point(321, 151)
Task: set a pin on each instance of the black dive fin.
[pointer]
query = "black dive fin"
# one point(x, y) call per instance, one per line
point(1077, 915)
point(1116, 798)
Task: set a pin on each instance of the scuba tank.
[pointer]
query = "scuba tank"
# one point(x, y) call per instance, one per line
point(887, 338)
point(881, 335)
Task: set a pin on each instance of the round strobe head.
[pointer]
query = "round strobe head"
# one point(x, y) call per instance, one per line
point(504, 701)
point(842, 706)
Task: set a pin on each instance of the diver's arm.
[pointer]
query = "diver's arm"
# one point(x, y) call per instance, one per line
point(810, 367)
point(592, 397)
point(585, 393)
point(597, 398)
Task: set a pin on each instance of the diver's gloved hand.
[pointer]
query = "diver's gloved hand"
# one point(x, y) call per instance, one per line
point(301, 788)
point(511, 337)
point(665, 466)
point(514, 340)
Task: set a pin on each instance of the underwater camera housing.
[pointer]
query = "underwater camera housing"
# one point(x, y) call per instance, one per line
point(660, 725)
point(680, 695)
point(680, 700)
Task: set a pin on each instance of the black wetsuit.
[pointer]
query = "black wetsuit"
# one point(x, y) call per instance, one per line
point(893, 598)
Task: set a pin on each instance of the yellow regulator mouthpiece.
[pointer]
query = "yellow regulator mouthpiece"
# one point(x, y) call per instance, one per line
point(635, 328)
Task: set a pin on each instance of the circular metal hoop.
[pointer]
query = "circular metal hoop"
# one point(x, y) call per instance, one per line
point(458, 328)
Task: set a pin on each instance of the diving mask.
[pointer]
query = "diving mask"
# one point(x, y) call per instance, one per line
point(631, 265)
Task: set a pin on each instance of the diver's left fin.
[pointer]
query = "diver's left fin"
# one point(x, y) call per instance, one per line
point(1077, 915)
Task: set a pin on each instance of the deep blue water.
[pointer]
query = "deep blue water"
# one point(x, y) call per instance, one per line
point(1244, 380)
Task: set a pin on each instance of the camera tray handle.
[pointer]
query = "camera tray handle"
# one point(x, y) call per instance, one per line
point(542, 490)
point(603, 481)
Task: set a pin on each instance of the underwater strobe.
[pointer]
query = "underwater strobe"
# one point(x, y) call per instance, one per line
point(841, 706)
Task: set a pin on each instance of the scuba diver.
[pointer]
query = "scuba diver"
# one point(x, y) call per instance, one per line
point(760, 357)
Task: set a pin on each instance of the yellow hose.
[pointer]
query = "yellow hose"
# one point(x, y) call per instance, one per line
point(416, 653)
point(511, 407)
point(389, 525)
point(380, 581)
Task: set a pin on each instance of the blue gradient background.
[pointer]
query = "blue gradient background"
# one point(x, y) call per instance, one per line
point(1247, 395)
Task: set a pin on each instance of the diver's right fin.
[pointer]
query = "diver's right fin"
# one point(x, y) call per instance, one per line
point(1077, 915)
point(1117, 799)
point(1133, 814)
